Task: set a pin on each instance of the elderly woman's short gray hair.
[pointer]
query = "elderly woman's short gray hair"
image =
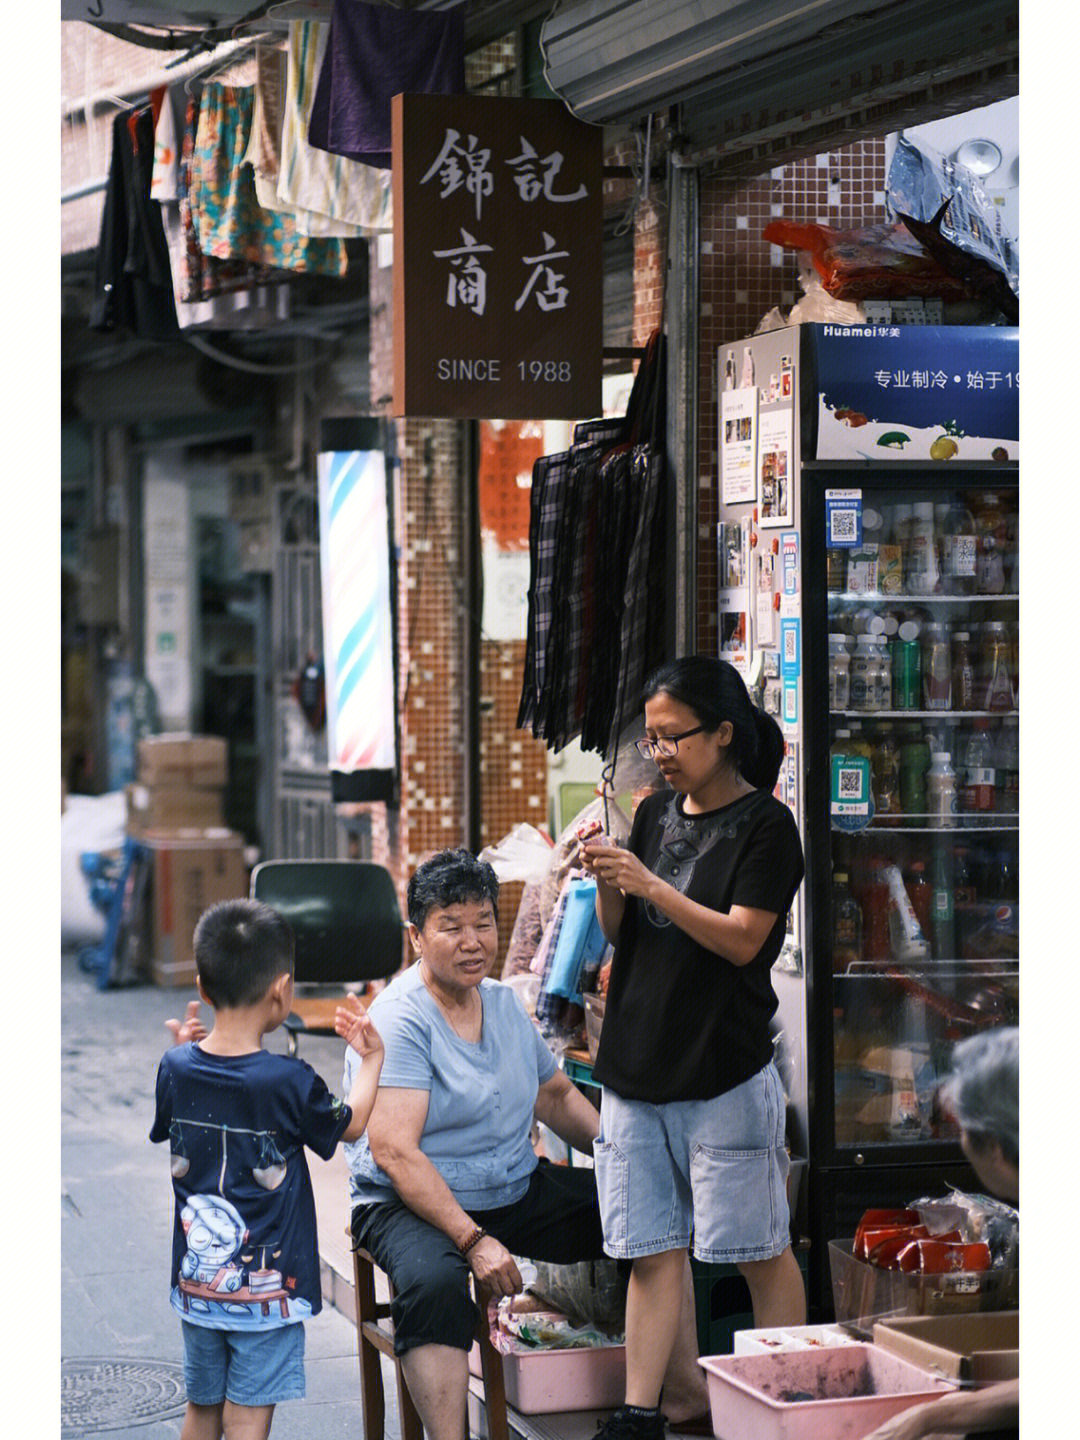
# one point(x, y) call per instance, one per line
point(983, 1089)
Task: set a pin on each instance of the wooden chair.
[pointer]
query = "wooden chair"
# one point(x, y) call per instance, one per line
point(348, 928)
point(374, 1339)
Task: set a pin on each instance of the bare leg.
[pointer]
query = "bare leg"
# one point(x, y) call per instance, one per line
point(654, 1308)
point(776, 1290)
point(438, 1381)
point(202, 1422)
point(686, 1391)
point(247, 1422)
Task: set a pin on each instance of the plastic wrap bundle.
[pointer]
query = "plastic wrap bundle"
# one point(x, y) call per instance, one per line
point(877, 262)
point(943, 205)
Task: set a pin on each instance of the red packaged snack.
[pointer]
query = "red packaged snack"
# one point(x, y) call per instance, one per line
point(590, 830)
point(941, 1256)
point(879, 262)
point(883, 1246)
point(878, 1220)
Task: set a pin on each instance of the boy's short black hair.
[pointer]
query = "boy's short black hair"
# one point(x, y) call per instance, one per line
point(241, 947)
point(449, 878)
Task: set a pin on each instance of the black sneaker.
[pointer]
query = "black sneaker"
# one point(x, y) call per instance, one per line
point(632, 1424)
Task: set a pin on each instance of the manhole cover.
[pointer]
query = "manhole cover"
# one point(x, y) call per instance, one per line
point(109, 1394)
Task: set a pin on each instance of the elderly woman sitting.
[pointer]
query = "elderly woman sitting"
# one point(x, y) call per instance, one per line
point(446, 1180)
point(983, 1095)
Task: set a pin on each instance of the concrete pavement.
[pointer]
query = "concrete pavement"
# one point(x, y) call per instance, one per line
point(120, 1341)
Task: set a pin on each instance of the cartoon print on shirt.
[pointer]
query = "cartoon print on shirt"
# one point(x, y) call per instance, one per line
point(217, 1275)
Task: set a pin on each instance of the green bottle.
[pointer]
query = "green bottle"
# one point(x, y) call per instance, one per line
point(942, 908)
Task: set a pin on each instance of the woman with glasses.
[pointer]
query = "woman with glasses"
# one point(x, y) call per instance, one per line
point(692, 1120)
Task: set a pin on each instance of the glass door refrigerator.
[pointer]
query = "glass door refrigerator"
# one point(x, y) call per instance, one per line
point(869, 591)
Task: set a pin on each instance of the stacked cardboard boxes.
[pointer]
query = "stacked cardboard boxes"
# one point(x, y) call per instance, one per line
point(176, 810)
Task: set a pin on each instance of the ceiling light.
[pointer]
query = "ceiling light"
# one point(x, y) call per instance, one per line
point(981, 157)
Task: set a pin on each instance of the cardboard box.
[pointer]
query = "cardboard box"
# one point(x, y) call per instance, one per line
point(173, 807)
point(840, 1392)
point(191, 870)
point(181, 759)
point(974, 1349)
point(543, 1381)
point(864, 1293)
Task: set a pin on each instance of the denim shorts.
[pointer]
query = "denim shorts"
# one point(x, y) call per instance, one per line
point(712, 1169)
point(248, 1367)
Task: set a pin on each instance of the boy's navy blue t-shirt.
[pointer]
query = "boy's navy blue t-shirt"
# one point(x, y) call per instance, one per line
point(245, 1249)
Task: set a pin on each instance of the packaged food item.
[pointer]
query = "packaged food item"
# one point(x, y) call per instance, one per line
point(877, 262)
point(905, 933)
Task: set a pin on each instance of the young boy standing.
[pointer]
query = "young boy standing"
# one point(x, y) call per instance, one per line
point(245, 1263)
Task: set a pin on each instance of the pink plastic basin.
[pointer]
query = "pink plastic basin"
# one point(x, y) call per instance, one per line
point(839, 1393)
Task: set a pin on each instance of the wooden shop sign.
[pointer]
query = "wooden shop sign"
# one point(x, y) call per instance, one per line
point(498, 272)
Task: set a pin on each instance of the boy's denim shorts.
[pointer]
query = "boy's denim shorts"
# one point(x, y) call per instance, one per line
point(248, 1367)
point(714, 1169)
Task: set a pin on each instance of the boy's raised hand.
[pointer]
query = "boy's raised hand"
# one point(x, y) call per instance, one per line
point(190, 1028)
point(353, 1024)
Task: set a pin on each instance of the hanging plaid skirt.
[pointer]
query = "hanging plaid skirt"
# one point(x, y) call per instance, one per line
point(229, 221)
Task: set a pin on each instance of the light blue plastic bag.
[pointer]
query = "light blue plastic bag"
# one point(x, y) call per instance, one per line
point(580, 944)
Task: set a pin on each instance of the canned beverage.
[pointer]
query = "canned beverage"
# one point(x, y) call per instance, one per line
point(906, 668)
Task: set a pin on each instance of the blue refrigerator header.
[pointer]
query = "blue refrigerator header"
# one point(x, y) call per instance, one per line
point(912, 392)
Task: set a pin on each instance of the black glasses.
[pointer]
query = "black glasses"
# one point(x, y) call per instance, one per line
point(665, 745)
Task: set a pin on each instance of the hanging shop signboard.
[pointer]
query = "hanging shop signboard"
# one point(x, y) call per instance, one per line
point(498, 276)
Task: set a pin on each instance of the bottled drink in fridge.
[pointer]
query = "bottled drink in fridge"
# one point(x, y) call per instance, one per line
point(885, 763)
point(941, 791)
point(890, 554)
point(958, 550)
point(990, 531)
point(847, 925)
point(906, 667)
point(978, 793)
point(914, 763)
point(923, 576)
point(965, 897)
point(902, 537)
point(835, 569)
point(997, 688)
point(875, 910)
point(1007, 765)
point(936, 667)
point(963, 672)
point(839, 672)
point(942, 908)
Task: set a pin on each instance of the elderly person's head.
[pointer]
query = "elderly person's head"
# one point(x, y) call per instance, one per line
point(451, 877)
point(983, 1094)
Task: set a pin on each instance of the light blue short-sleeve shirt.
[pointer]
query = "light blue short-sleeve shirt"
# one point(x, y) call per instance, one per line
point(482, 1095)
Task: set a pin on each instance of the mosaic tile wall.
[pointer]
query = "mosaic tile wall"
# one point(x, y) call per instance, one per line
point(742, 278)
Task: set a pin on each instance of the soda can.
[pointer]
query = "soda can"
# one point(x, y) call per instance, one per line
point(906, 672)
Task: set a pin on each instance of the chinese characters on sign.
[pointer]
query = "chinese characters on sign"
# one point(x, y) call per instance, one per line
point(498, 289)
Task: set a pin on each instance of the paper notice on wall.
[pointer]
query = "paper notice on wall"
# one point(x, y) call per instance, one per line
point(738, 445)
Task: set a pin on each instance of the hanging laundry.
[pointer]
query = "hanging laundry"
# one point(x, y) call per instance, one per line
point(375, 52)
point(264, 146)
point(229, 221)
point(209, 293)
point(132, 275)
point(203, 276)
point(327, 194)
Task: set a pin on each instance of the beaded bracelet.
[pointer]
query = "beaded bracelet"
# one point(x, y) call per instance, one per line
point(474, 1239)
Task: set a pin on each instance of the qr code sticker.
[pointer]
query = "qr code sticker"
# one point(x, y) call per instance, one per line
point(843, 525)
point(850, 784)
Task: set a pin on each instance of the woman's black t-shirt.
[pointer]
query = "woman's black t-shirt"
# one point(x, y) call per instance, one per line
point(681, 1022)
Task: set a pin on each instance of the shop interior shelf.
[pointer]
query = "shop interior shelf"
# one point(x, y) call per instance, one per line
point(923, 714)
point(877, 597)
point(964, 825)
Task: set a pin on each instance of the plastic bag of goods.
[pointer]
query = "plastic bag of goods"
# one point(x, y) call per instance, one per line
point(943, 205)
point(877, 262)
